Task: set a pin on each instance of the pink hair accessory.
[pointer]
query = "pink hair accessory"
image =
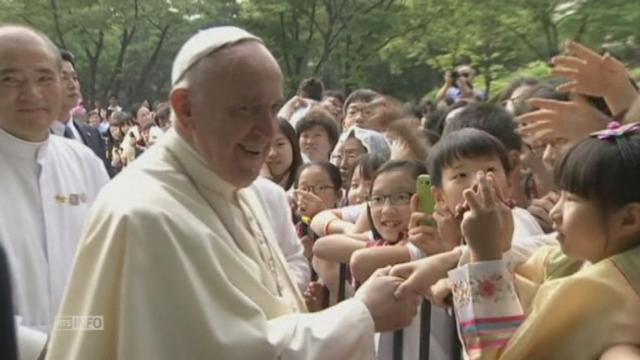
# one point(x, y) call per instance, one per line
point(615, 129)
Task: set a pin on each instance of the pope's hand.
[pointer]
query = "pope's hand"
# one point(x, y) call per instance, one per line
point(388, 312)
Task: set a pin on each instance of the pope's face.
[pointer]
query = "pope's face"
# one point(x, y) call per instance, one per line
point(30, 88)
point(233, 110)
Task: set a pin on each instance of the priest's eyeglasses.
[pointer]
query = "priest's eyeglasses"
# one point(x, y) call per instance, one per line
point(317, 189)
point(402, 198)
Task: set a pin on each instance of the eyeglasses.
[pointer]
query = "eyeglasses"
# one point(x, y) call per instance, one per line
point(397, 199)
point(317, 189)
point(465, 74)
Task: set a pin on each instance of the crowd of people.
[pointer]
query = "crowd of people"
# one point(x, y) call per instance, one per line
point(227, 222)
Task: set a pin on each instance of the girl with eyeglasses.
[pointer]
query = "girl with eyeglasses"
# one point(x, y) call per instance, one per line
point(389, 211)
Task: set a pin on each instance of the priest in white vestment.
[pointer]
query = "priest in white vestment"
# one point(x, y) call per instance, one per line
point(48, 183)
point(179, 257)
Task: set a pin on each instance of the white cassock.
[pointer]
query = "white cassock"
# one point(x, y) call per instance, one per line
point(47, 189)
point(181, 265)
point(274, 199)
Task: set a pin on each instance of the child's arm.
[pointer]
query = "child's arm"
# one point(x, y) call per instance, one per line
point(330, 222)
point(337, 248)
point(363, 224)
point(365, 261)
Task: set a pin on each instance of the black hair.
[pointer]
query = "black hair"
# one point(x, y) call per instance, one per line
point(296, 162)
point(121, 118)
point(413, 109)
point(95, 112)
point(491, 118)
point(333, 93)
point(163, 111)
point(134, 109)
point(312, 88)
point(67, 56)
point(329, 168)
point(434, 125)
point(607, 171)
point(467, 143)
point(359, 95)
point(368, 165)
point(415, 168)
point(319, 117)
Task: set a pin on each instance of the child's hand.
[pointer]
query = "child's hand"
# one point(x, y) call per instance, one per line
point(295, 103)
point(448, 226)
point(314, 296)
point(419, 276)
point(540, 209)
point(488, 225)
point(441, 293)
point(570, 120)
point(309, 204)
point(307, 246)
point(405, 140)
point(422, 234)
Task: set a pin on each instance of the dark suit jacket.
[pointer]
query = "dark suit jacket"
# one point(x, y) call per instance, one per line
point(92, 138)
point(7, 328)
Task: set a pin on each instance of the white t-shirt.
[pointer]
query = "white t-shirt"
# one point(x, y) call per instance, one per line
point(351, 213)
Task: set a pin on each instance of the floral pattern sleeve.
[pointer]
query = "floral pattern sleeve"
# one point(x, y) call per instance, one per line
point(486, 305)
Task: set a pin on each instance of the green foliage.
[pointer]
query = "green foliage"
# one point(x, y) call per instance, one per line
point(400, 47)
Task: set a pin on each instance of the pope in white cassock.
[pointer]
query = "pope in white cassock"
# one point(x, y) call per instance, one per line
point(48, 183)
point(178, 255)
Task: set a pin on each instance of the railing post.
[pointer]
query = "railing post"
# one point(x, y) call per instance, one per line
point(425, 330)
point(398, 344)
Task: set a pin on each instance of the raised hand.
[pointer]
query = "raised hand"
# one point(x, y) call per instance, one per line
point(406, 143)
point(309, 204)
point(384, 111)
point(424, 235)
point(590, 73)
point(569, 120)
point(488, 225)
point(448, 226)
point(540, 209)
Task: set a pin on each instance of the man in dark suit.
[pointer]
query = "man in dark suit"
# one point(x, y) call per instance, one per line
point(70, 128)
point(7, 327)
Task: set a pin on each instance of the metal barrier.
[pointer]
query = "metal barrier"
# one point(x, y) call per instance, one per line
point(455, 352)
point(425, 330)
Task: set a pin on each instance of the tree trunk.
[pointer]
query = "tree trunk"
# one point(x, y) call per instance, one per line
point(94, 59)
point(144, 74)
point(112, 87)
